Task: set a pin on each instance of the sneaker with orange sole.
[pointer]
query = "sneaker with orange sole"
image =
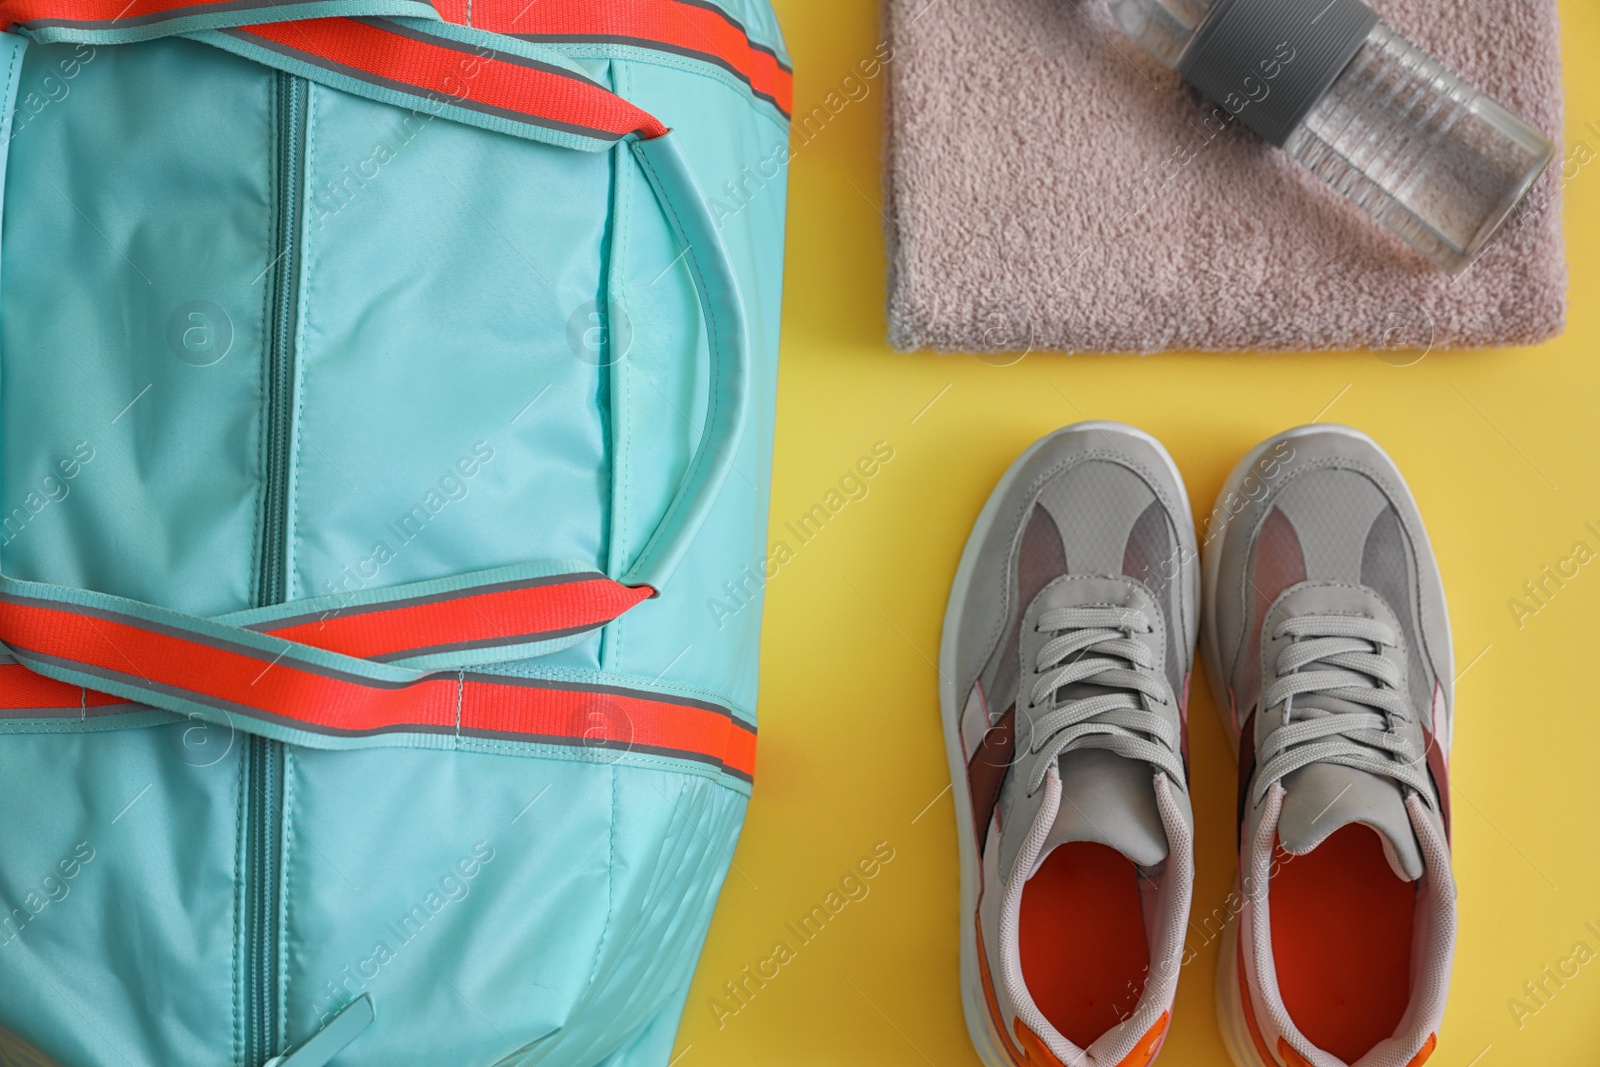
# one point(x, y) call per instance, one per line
point(1327, 647)
point(1064, 672)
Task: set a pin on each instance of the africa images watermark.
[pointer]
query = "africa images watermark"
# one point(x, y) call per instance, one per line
point(329, 199)
point(745, 588)
point(452, 887)
point(1253, 89)
point(1541, 590)
point(739, 193)
point(52, 888)
point(1562, 174)
point(853, 887)
point(1253, 488)
point(1211, 927)
point(52, 489)
point(53, 88)
point(452, 486)
point(1540, 991)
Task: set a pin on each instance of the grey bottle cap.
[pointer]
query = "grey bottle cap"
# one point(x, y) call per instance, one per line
point(1268, 62)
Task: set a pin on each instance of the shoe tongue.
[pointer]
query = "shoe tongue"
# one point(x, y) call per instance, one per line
point(1325, 797)
point(1109, 800)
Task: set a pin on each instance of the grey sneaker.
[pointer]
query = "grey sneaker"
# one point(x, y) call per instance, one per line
point(1064, 675)
point(1327, 648)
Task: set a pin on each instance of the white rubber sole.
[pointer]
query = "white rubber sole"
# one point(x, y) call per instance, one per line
point(985, 1039)
point(1230, 1012)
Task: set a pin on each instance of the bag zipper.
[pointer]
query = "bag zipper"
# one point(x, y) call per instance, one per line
point(264, 770)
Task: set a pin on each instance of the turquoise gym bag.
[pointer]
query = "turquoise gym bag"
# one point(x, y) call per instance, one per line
point(386, 392)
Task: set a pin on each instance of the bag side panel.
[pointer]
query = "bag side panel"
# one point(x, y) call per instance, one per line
point(131, 319)
point(138, 230)
point(540, 902)
point(451, 419)
point(118, 860)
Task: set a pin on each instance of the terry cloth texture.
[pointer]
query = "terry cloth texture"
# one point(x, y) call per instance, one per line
point(1051, 186)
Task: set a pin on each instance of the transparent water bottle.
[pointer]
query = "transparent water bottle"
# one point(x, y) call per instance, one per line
point(1377, 118)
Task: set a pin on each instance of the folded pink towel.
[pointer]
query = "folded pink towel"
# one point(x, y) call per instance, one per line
point(1050, 186)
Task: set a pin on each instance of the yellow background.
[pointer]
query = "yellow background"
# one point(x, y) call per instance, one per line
point(1500, 448)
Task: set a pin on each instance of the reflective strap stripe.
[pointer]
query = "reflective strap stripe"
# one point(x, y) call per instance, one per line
point(697, 31)
point(23, 690)
point(510, 612)
point(125, 22)
point(395, 51)
point(467, 74)
point(607, 717)
point(514, 613)
point(134, 11)
point(215, 674)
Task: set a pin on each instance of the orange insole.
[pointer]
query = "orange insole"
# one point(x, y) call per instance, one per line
point(1341, 938)
point(1083, 947)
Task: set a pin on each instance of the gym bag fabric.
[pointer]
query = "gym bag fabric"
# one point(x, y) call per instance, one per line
point(386, 391)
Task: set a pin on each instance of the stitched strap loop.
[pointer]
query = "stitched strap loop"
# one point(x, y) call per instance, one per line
point(76, 649)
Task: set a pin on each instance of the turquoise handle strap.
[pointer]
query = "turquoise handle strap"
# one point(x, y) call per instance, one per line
point(727, 390)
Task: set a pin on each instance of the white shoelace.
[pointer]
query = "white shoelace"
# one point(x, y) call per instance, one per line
point(1338, 656)
point(1096, 646)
